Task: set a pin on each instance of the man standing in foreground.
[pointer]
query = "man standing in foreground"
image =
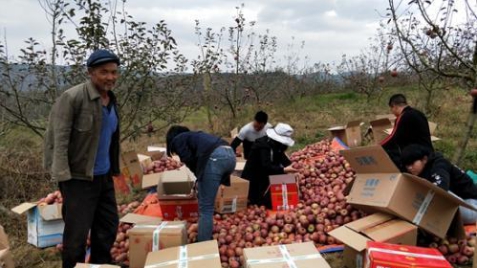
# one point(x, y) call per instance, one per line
point(82, 153)
point(411, 127)
point(250, 132)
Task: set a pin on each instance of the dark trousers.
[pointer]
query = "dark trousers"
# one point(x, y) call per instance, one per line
point(88, 206)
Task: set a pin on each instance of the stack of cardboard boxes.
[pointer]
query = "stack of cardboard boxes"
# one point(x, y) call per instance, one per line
point(413, 201)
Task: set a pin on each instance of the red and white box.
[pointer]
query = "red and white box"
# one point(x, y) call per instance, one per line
point(284, 192)
point(383, 255)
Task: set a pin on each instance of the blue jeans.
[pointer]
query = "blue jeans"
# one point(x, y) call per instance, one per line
point(221, 163)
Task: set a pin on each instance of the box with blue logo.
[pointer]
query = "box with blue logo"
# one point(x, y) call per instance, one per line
point(44, 223)
point(380, 186)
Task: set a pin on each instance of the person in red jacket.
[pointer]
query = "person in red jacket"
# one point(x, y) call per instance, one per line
point(411, 127)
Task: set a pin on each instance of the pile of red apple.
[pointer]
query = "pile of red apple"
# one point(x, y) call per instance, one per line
point(128, 208)
point(161, 165)
point(456, 251)
point(120, 249)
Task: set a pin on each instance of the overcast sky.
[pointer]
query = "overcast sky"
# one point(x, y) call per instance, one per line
point(329, 28)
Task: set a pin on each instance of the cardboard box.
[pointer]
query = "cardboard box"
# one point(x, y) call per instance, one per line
point(144, 238)
point(179, 208)
point(350, 133)
point(381, 255)
point(301, 255)
point(378, 129)
point(6, 259)
point(379, 186)
point(234, 198)
point(183, 176)
point(391, 117)
point(179, 183)
point(44, 223)
point(197, 255)
point(284, 191)
point(88, 265)
point(131, 169)
point(376, 227)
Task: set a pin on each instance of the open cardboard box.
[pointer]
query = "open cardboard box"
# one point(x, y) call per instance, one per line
point(233, 198)
point(378, 128)
point(44, 223)
point(379, 186)
point(350, 133)
point(378, 227)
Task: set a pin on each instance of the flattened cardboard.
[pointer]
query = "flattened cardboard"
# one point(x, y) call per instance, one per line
point(234, 198)
point(141, 240)
point(196, 255)
point(378, 188)
point(303, 255)
point(138, 218)
point(376, 227)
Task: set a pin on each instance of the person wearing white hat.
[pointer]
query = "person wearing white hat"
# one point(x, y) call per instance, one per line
point(267, 157)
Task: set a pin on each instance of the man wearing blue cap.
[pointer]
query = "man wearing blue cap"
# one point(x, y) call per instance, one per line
point(82, 153)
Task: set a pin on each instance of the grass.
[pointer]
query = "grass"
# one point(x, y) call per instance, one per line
point(310, 117)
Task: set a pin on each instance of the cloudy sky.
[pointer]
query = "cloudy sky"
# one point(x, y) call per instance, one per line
point(329, 28)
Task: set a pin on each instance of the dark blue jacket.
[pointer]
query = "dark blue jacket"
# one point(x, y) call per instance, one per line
point(194, 149)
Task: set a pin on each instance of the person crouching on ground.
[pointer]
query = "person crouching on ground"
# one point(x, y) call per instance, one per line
point(267, 157)
point(432, 166)
point(211, 160)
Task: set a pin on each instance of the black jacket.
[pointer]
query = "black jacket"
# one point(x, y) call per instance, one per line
point(411, 127)
point(266, 158)
point(449, 177)
point(194, 150)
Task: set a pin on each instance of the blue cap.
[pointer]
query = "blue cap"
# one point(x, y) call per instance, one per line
point(101, 56)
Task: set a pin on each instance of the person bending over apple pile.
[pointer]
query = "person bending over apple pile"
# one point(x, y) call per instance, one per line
point(432, 166)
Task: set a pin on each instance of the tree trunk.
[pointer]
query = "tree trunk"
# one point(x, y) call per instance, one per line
point(459, 153)
point(207, 90)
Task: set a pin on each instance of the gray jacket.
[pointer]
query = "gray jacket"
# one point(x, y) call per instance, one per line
point(72, 136)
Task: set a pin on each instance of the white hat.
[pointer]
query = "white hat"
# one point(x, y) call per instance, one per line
point(281, 133)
